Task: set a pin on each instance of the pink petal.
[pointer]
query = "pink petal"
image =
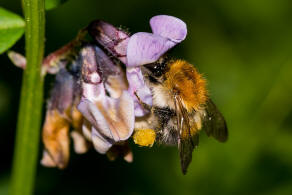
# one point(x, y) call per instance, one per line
point(169, 27)
point(100, 144)
point(138, 86)
point(113, 118)
point(144, 48)
point(79, 142)
point(62, 93)
point(113, 39)
point(119, 116)
point(47, 160)
point(17, 59)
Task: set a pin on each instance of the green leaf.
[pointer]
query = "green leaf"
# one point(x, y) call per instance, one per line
point(11, 29)
point(51, 4)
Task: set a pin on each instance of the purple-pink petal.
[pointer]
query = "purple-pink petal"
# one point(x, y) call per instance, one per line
point(138, 86)
point(144, 48)
point(113, 118)
point(100, 144)
point(62, 93)
point(110, 37)
point(169, 27)
point(93, 92)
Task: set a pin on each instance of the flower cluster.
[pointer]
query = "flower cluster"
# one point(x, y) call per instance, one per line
point(100, 96)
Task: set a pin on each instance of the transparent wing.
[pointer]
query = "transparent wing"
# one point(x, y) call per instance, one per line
point(186, 142)
point(214, 123)
point(186, 147)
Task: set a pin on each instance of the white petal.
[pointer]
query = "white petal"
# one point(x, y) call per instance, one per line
point(100, 144)
point(79, 142)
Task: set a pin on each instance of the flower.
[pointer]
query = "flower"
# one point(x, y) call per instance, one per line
point(61, 113)
point(111, 118)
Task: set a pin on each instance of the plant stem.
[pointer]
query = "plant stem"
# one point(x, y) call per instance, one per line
point(29, 117)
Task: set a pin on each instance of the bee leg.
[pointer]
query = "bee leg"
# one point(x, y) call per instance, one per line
point(145, 106)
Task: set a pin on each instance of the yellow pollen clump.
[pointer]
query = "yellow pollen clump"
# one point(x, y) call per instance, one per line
point(144, 137)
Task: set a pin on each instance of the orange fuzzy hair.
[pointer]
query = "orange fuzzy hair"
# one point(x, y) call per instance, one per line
point(182, 78)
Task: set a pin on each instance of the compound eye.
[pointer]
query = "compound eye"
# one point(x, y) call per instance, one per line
point(157, 68)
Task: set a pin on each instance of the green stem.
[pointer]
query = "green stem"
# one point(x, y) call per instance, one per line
point(29, 118)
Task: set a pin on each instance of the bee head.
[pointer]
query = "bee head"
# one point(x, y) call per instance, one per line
point(156, 70)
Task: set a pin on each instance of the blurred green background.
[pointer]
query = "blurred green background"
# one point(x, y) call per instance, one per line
point(244, 49)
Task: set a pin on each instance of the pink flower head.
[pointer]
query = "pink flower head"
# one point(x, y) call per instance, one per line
point(111, 119)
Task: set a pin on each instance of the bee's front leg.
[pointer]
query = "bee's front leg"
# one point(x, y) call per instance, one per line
point(145, 106)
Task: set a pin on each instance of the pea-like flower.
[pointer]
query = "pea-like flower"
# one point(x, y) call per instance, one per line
point(111, 118)
point(61, 113)
point(92, 98)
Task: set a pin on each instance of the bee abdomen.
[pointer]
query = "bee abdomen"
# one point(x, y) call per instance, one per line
point(164, 115)
point(168, 135)
point(167, 132)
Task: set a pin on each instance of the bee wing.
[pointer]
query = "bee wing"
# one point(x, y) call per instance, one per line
point(186, 142)
point(214, 123)
point(186, 147)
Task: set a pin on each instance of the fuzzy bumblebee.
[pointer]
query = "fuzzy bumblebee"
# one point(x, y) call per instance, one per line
point(180, 106)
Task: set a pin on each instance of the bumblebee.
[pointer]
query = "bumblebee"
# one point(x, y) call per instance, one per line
point(181, 108)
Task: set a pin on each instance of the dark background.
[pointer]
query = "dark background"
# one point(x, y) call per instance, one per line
point(243, 48)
